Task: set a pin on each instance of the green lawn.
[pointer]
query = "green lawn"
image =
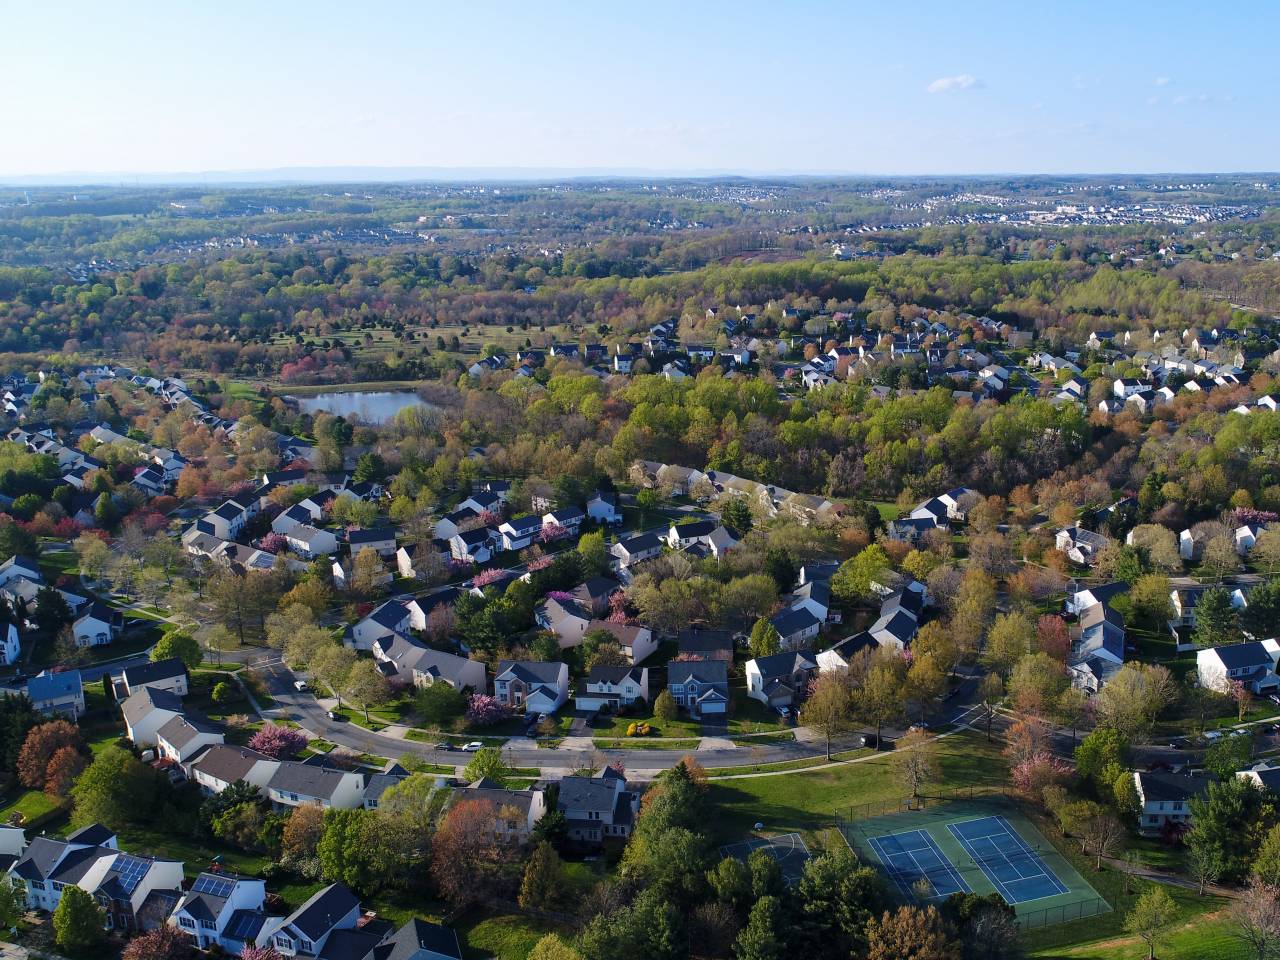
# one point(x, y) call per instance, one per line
point(801, 764)
point(1200, 938)
point(808, 802)
point(503, 936)
point(29, 803)
point(640, 743)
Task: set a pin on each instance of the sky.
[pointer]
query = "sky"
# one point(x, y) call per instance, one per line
point(694, 86)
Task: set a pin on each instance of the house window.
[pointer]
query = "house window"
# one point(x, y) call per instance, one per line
point(187, 923)
point(284, 943)
point(37, 884)
point(304, 946)
point(207, 925)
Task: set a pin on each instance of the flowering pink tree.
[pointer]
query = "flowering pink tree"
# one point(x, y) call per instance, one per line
point(280, 743)
point(251, 952)
point(553, 531)
point(539, 563)
point(486, 577)
point(273, 543)
point(618, 608)
point(456, 566)
point(490, 518)
point(560, 596)
point(1250, 516)
point(484, 710)
point(1038, 771)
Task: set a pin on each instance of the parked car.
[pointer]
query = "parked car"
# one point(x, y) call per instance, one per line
point(871, 740)
point(473, 746)
point(447, 747)
point(784, 712)
point(332, 715)
point(300, 685)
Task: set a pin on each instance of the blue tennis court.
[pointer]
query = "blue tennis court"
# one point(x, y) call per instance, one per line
point(1008, 862)
point(914, 856)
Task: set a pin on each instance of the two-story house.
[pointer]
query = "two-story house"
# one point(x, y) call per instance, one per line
point(516, 812)
point(614, 687)
point(1165, 798)
point(167, 674)
point(146, 711)
point(782, 679)
point(57, 693)
point(97, 626)
point(535, 686)
point(296, 783)
point(700, 686)
point(381, 540)
point(387, 619)
point(636, 640)
point(183, 737)
point(565, 617)
point(306, 931)
point(1252, 664)
point(520, 532)
point(797, 626)
point(224, 764)
point(222, 910)
point(598, 808)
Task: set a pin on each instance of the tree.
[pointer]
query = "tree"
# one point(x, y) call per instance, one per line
point(1053, 638)
point(765, 640)
point(64, 768)
point(911, 933)
point(1012, 636)
point(366, 687)
point(280, 743)
point(542, 886)
point(93, 554)
point(362, 850)
point(1217, 622)
point(664, 706)
point(880, 699)
point(736, 515)
point(828, 707)
point(1228, 754)
point(915, 760)
point(114, 790)
point(77, 921)
point(766, 875)
point(1104, 832)
point(52, 610)
point(1103, 748)
point(105, 512)
point(1259, 618)
point(180, 645)
point(551, 947)
point(730, 881)
point(485, 711)
point(42, 743)
point(991, 692)
point(1036, 683)
point(762, 938)
point(366, 572)
point(487, 764)
point(1149, 597)
point(13, 901)
point(1206, 863)
point(1151, 918)
point(438, 704)
point(331, 665)
point(1266, 865)
point(594, 554)
point(251, 952)
point(302, 831)
point(852, 581)
point(1134, 697)
point(1255, 918)
point(465, 853)
point(162, 943)
point(1223, 823)
point(835, 897)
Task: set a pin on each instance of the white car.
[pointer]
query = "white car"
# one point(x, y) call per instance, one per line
point(300, 685)
point(473, 746)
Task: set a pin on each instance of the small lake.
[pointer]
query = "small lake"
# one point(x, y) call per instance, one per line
point(373, 406)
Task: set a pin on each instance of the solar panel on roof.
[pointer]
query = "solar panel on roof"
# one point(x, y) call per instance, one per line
point(129, 870)
point(212, 885)
point(245, 925)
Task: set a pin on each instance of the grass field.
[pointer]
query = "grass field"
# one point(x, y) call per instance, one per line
point(639, 743)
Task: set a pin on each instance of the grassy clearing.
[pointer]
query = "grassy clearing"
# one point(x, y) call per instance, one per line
point(29, 803)
point(1199, 939)
point(802, 764)
point(505, 937)
point(759, 740)
point(639, 744)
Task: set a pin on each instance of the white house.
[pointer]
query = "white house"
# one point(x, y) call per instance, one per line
point(797, 626)
point(57, 693)
point(310, 542)
point(637, 642)
point(294, 784)
point(97, 626)
point(382, 540)
point(1165, 798)
point(838, 656)
point(388, 618)
point(1080, 545)
point(306, 931)
point(146, 711)
point(614, 687)
point(223, 764)
point(565, 617)
point(603, 508)
point(168, 674)
point(206, 912)
point(632, 550)
point(474, 546)
point(10, 645)
point(1246, 536)
point(519, 532)
point(1252, 663)
point(183, 737)
point(781, 679)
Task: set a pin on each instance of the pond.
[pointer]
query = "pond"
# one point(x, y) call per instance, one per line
point(373, 406)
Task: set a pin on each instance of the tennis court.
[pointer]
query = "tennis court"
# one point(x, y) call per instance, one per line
point(787, 850)
point(1012, 867)
point(911, 857)
point(980, 844)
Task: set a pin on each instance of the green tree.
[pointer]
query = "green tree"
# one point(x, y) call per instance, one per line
point(1266, 865)
point(1151, 918)
point(1227, 755)
point(1260, 617)
point(543, 884)
point(765, 640)
point(52, 610)
point(852, 582)
point(115, 790)
point(835, 898)
point(664, 706)
point(1149, 597)
point(730, 881)
point(105, 512)
point(1224, 821)
point(594, 554)
point(366, 687)
point(438, 704)
point(828, 707)
point(77, 921)
point(736, 515)
point(13, 901)
point(180, 645)
point(1217, 622)
point(763, 936)
point(1102, 748)
point(487, 764)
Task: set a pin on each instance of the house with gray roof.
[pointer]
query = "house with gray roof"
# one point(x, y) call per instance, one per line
point(782, 679)
point(609, 687)
point(598, 808)
point(167, 674)
point(306, 931)
point(535, 686)
point(182, 737)
point(296, 783)
point(223, 910)
point(1252, 664)
point(406, 659)
point(700, 686)
point(223, 764)
point(146, 711)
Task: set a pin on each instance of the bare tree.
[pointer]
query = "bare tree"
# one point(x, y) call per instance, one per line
point(1256, 920)
point(1105, 833)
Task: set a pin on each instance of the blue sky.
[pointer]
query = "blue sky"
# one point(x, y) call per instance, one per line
point(902, 88)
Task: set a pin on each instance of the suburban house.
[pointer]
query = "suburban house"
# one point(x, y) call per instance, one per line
point(952, 505)
point(797, 627)
point(1080, 545)
point(782, 679)
point(636, 549)
point(1246, 536)
point(527, 805)
point(536, 686)
point(223, 764)
point(388, 618)
point(307, 930)
point(381, 540)
point(594, 593)
point(568, 519)
point(598, 808)
point(519, 532)
point(911, 529)
point(1099, 652)
point(295, 783)
point(613, 687)
point(90, 858)
point(1083, 597)
point(222, 910)
point(1265, 775)
point(294, 517)
point(565, 617)
point(637, 642)
point(700, 686)
point(839, 655)
point(404, 658)
point(146, 711)
point(814, 596)
point(97, 626)
point(602, 507)
point(1252, 663)
point(705, 644)
point(711, 537)
point(1165, 798)
point(307, 541)
point(168, 674)
point(183, 737)
point(61, 693)
point(472, 546)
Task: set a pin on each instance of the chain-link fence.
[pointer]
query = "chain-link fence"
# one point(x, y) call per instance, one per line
point(1050, 916)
